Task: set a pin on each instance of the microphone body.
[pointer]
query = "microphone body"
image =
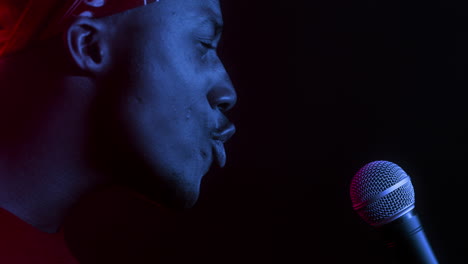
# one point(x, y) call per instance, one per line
point(383, 195)
point(405, 239)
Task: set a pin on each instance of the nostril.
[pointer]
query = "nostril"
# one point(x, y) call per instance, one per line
point(222, 99)
point(225, 103)
point(223, 107)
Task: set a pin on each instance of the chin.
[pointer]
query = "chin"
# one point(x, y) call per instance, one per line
point(185, 198)
point(189, 202)
point(176, 187)
point(173, 196)
point(186, 201)
point(176, 202)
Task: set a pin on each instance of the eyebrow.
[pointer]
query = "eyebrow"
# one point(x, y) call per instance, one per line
point(209, 16)
point(211, 21)
point(215, 12)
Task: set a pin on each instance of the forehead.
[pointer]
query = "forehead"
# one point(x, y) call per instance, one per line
point(192, 9)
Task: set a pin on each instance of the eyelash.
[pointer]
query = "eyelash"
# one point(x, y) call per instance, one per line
point(207, 45)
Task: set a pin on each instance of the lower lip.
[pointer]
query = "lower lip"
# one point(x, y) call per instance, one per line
point(219, 153)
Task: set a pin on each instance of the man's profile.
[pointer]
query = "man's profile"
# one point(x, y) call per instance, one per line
point(96, 92)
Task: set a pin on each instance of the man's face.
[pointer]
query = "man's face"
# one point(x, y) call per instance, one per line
point(170, 91)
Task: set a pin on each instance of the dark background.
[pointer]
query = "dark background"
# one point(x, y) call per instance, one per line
point(324, 88)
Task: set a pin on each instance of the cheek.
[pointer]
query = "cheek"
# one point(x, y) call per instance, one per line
point(189, 123)
point(172, 123)
point(166, 102)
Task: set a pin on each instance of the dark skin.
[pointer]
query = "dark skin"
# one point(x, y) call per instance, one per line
point(137, 99)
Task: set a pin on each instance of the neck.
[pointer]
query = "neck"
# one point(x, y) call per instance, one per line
point(43, 163)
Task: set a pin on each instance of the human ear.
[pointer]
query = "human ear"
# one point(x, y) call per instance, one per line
point(86, 41)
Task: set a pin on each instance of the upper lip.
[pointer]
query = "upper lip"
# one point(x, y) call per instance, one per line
point(225, 133)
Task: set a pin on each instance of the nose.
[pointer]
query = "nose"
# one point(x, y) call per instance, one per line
point(223, 95)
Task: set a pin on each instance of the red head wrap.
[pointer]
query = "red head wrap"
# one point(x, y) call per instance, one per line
point(23, 22)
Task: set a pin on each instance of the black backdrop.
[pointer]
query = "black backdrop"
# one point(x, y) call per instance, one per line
point(324, 87)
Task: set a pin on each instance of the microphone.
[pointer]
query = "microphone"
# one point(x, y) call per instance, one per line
point(383, 196)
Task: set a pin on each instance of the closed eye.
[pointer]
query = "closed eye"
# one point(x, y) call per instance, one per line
point(207, 45)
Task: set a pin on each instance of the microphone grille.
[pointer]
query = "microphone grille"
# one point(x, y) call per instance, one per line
point(381, 192)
